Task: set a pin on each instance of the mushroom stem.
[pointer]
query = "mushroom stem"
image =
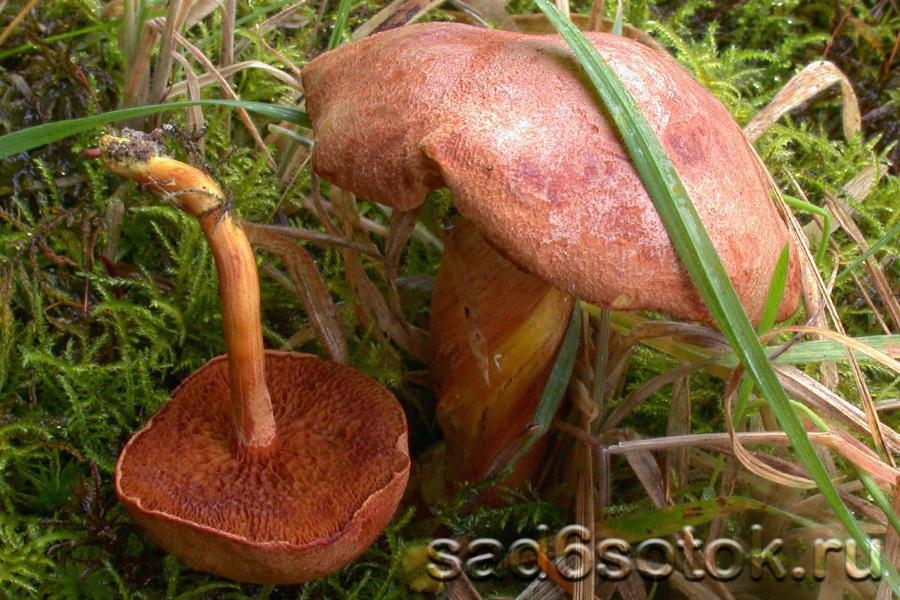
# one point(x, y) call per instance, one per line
point(141, 158)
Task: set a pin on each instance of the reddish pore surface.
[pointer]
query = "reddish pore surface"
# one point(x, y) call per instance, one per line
point(342, 438)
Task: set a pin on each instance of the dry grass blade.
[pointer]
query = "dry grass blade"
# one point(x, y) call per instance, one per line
point(860, 186)
point(713, 441)
point(172, 24)
point(551, 587)
point(136, 88)
point(194, 120)
point(403, 223)
point(857, 189)
point(563, 7)
point(199, 10)
point(875, 426)
point(208, 78)
point(309, 286)
point(318, 237)
point(853, 450)
point(679, 423)
point(226, 52)
point(804, 85)
point(835, 575)
point(370, 300)
point(648, 389)
point(876, 274)
point(130, 32)
point(279, 19)
point(747, 458)
point(395, 14)
point(825, 402)
point(598, 10)
point(691, 589)
point(815, 293)
point(230, 94)
point(492, 12)
point(696, 335)
point(632, 587)
point(460, 588)
point(864, 458)
point(816, 286)
point(9, 29)
point(583, 589)
point(647, 470)
point(861, 288)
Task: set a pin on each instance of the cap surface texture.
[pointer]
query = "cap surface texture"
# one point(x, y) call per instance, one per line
point(510, 124)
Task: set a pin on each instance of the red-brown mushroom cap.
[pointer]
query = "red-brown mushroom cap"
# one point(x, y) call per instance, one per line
point(303, 511)
point(508, 122)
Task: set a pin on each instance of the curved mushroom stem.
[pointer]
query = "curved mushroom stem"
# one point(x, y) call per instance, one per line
point(141, 157)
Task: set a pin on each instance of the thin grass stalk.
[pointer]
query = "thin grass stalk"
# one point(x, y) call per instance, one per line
point(226, 51)
point(194, 119)
point(868, 253)
point(876, 274)
point(9, 29)
point(597, 16)
point(340, 24)
point(891, 549)
point(693, 245)
point(766, 321)
point(175, 17)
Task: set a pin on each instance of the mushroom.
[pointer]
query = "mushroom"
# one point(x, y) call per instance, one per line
point(510, 124)
point(266, 467)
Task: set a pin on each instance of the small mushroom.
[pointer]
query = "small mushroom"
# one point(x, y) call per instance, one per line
point(266, 467)
point(510, 124)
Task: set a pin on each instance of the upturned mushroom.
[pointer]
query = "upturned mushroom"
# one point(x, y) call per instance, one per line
point(265, 467)
point(509, 123)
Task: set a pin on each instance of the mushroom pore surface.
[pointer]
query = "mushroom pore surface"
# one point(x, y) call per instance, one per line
point(324, 494)
point(510, 124)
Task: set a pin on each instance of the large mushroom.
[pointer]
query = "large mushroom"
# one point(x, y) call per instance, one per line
point(265, 467)
point(509, 123)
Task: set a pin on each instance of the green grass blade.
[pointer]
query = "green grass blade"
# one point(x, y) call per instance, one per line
point(826, 220)
point(561, 373)
point(699, 257)
point(667, 520)
point(872, 250)
point(340, 24)
point(35, 137)
point(766, 321)
point(816, 351)
point(776, 292)
point(618, 22)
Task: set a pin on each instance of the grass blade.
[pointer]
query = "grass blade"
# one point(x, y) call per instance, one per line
point(667, 520)
point(696, 251)
point(35, 137)
point(340, 24)
point(865, 255)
